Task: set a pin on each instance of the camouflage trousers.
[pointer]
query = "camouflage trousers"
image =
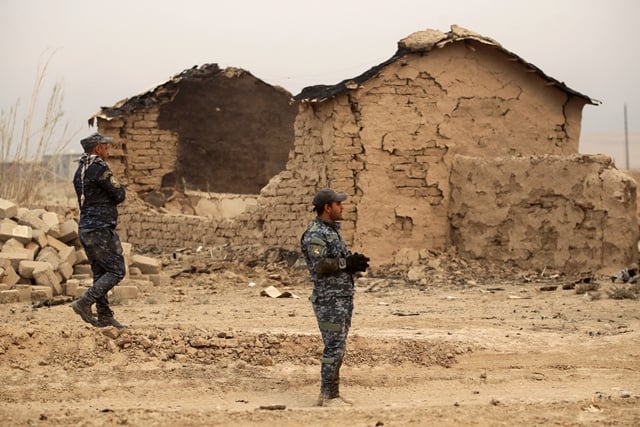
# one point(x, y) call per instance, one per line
point(334, 320)
point(104, 251)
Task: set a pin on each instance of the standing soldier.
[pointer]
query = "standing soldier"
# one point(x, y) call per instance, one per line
point(331, 266)
point(99, 194)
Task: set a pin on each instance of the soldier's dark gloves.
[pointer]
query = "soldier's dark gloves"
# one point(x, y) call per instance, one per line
point(356, 262)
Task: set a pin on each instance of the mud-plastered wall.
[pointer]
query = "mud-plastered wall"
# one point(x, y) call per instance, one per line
point(389, 142)
point(635, 174)
point(572, 213)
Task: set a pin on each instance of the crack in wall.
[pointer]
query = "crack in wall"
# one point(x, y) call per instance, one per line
point(356, 141)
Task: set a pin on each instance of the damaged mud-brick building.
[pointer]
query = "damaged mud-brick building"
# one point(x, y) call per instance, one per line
point(454, 143)
point(200, 145)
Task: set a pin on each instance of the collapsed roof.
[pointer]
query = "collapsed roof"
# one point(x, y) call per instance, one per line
point(167, 91)
point(424, 42)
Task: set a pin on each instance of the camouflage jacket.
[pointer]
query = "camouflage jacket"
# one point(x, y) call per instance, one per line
point(325, 253)
point(99, 193)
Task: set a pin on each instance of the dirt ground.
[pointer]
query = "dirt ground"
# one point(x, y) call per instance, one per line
point(452, 343)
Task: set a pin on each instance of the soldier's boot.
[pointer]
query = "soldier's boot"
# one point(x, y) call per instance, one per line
point(333, 402)
point(321, 399)
point(324, 396)
point(82, 307)
point(336, 397)
point(104, 321)
point(105, 315)
point(337, 402)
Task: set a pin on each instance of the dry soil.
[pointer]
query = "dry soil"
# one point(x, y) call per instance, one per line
point(447, 344)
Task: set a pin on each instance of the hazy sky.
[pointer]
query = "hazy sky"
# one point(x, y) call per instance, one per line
point(110, 50)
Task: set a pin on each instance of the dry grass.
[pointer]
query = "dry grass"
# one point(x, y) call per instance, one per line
point(29, 154)
point(622, 292)
point(583, 288)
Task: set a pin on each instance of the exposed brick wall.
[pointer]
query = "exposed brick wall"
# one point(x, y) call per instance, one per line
point(142, 154)
point(148, 229)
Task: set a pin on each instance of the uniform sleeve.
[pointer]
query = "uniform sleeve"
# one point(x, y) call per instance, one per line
point(320, 261)
point(112, 186)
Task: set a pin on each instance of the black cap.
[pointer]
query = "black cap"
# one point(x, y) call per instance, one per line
point(327, 195)
point(93, 140)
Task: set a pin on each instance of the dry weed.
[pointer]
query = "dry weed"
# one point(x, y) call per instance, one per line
point(583, 288)
point(29, 156)
point(630, 292)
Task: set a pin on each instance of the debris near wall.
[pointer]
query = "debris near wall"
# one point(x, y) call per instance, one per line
point(42, 260)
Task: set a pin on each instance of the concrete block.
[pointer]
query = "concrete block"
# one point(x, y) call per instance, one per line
point(9, 275)
point(55, 243)
point(27, 268)
point(23, 233)
point(68, 255)
point(124, 292)
point(68, 231)
point(41, 293)
point(32, 249)
point(48, 277)
point(52, 220)
point(38, 212)
point(8, 209)
point(50, 255)
point(70, 287)
point(11, 244)
point(10, 296)
point(66, 271)
point(24, 292)
point(127, 249)
point(81, 257)
point(15, 256)
point(31, 219)
point(147, 265)
point(40, 237)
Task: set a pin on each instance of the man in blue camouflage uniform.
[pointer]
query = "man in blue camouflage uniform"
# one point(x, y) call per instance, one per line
point(99, 194)
point(331, 266)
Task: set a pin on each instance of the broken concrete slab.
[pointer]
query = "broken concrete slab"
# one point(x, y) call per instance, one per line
point(147, 265)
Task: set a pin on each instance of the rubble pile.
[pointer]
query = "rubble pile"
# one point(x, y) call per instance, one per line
point(42, 260)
